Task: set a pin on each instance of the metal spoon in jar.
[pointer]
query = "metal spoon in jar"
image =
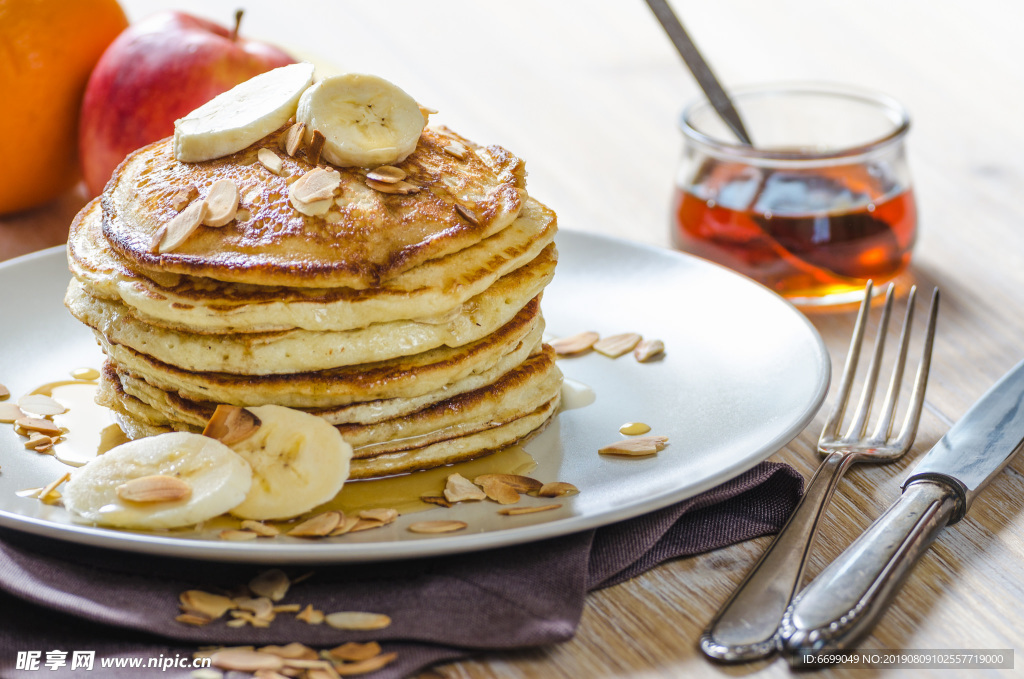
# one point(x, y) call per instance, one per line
point(700, 69)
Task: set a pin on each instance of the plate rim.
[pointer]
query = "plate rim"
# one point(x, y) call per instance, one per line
point(353, 552)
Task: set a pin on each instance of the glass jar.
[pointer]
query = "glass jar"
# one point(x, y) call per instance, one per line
point(820, 204)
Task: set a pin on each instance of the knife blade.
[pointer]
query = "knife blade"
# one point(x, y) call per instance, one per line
point(844, 601)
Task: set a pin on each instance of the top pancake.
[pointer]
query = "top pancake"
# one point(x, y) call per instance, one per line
point(368, 237)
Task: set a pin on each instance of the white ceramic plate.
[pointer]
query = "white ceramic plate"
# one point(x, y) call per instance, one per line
point(743, 374)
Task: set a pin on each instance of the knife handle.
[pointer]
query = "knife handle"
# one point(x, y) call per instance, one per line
point(846, 599)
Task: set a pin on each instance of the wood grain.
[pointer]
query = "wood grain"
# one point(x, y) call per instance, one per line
point(588, 91)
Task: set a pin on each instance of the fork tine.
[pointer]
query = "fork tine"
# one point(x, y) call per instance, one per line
point(835, 417)
point(860, 418)
point(909, 430)
point(892, 394)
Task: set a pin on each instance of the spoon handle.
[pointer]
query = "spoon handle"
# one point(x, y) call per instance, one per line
point(700, 69)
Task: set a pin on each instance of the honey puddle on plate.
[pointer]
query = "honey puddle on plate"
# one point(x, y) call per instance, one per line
point(88, 430)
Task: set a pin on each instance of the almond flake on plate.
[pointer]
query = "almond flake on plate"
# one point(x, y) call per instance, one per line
point(557, 489)
point(441, 526)
point(318, 526)
point(648, 349)
point(41, 404)
point(574, 344)
point(9, 412)
point(460, 489)
point(523, 484)
point(38, 424)
point(617, 345)
point(499, 491)
point(636, 447)
point(264, 530)
point(516, 511)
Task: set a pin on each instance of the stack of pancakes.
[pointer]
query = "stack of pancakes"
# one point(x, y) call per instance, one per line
point(411, 321)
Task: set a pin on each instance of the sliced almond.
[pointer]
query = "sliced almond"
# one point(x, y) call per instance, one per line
point(221, 203)
point(310, 615)
point(49, 492)
point(346, 526)
point(9, 412)
point(41, 404)
point(365, 666)
point(262, 529)
point(574, 344)
point(246, 661)
point(155, 488)
point(270, 160)
point(401, 187)
point(38, 424)
point(4, 392)
point(636, 447)
point(523, 484)
point(383, 514)
point(467, 214)
point(231, 424)
point(293, 651)
point(273, 584)
point(29, 492)
point(261, 607)
point(212, 606)
point(456, 149)
point(357, 620)
point(634, 428)
point(438, 500)
point(614, 346)
point(181, 199)
point(193, 619)
point(44, 448)
point(515, 511)
point(317, 526)
point(293, 139)
point(250, 618)
point(37, 440)
point(364, 524)
point(316, 185)
point(557, 489)
point(648, 349)
point(316, 147)
point(388, 174)
point(500, 492)
point(182, 226)
point(237, 535)
point(460, 489)
point(437, 526)
point(353, 651)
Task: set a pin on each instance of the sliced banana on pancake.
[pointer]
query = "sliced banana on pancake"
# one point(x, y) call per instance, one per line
point(165, 481)
point(366, 121)
point(243, 115)
point(298, 461)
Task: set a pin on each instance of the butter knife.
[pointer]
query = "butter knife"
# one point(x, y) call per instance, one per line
point(844, 601)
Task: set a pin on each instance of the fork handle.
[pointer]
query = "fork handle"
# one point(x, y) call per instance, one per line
point(746, 626)
point(846, 598)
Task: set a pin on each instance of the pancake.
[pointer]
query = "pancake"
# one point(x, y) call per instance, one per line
point(374, 237)
point(296, 351)
point(407, 378)
point(430, 290)
point(530, 390)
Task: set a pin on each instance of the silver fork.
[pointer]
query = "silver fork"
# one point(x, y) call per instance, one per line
point(746, 626)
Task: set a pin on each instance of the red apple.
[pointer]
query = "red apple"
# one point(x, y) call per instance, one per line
point(155, 72)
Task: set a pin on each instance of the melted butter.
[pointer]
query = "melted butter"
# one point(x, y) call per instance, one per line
point(88, 431)
point(634, 428)
point(576, 394)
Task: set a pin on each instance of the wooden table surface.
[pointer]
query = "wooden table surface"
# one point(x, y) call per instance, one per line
point(588, 92)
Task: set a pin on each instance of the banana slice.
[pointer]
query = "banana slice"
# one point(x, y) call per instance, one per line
point(241, 116)
point(217, 479)
point(298, 461)
point(366, 120)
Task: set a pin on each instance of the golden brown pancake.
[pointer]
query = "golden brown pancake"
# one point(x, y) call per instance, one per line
point(376, 235)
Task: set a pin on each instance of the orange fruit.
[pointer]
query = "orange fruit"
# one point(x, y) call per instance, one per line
point(49, 50)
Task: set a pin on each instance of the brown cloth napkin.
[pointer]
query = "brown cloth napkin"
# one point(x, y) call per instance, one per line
point(56, 596)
